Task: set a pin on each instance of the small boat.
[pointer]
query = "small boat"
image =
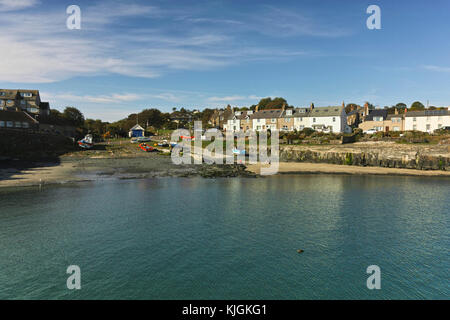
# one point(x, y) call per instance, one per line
point(143, 139)
point(146, 147)
point(86, 142)
point(238, 152)
point(163, 144)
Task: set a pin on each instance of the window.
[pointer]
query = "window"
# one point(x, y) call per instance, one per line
point(257, 120)
point(377, 118)
point(18, 124)
point(414, 127)
point(2, 94)
point(414, 119)
point(25, 125)
point(26, 94)
point(2, 124)
point(9, 102)
point(288, 112)
point(439, 125)
point(334, 119)
point(396, 129)
point(302, 127)
point(9, 124)
point(287, 120)
point(32, 110)
point(314, 119)
point(274, 120)
point(428, 127)
point(22, 102)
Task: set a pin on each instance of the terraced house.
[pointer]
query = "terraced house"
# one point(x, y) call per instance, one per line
point(239, 121)
point(23, 100)
point(328, 119)
point(427, 120)
point(266, 119)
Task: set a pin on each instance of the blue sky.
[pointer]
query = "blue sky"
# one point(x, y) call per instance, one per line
point(131, 55)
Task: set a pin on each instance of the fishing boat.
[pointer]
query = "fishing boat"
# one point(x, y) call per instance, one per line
point(86, 142)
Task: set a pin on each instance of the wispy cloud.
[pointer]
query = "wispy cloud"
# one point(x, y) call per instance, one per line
point(41, 49)
point(102, 99)
point(437, 68)
point(12, 5)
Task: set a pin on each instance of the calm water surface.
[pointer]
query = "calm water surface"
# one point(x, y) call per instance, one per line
point(193, 238)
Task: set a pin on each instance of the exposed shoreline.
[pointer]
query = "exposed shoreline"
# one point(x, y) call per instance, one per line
point(101, 169)
point(326, 168)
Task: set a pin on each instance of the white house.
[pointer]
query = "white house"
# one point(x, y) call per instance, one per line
point(329, 119)
point(301, 119)
point(240, 120)
point(427, 120)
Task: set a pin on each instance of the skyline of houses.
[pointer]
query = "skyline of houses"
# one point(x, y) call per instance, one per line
point(23, 109)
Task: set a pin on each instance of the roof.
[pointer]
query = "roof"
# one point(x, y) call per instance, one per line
point(242, 116)
point(376, 113)
point(266, 114)
point(390, 116)
point(297, 112)
point(326, 111)
point(15, 116)
point(428, 113)
point(137, 127)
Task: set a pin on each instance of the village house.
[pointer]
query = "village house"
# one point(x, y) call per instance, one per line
point(263, 120)
point(17, 120)
point(374, 120)
point(356, 115)
point(328, 119)
point(23, 100)
point(219, 118)
point(427, 120)
point(240, 121)
point(293, 119)
point(394, 122)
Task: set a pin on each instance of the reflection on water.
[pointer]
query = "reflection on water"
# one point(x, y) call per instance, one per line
point(228, 238)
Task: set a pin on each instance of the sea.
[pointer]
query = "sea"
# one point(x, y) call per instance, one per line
point(228, 238)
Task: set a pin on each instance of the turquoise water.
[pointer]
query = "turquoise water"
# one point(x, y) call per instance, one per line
point(193, 238)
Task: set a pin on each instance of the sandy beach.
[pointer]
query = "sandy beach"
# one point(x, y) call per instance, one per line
point(325, 168)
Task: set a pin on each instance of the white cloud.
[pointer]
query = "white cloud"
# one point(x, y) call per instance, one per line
point(41, 49)
point(235, 99)
point(12, 5)
point(101, 99)
point(437, 68)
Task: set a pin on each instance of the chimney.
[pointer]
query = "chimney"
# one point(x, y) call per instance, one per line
point(311, 107)
point(343, 104)
point(366, 109)
point(406, 109)
point(396, 111)
point(257, 108)
point(283, 107)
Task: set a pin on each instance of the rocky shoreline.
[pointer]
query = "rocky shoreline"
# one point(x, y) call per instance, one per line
point(384, 155)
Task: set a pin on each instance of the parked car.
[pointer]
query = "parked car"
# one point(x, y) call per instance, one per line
point(370, 131)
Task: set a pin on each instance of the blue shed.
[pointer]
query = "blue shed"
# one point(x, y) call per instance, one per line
point(136, 131)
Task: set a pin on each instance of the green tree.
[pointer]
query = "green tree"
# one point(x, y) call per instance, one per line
point(417, 105)
point(269, 103)
point(73, 116)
